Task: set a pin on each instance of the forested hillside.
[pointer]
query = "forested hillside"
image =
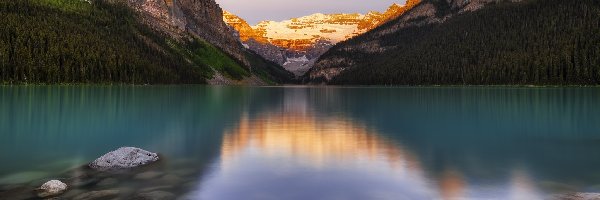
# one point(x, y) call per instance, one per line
point(540, 42)
point(73, 41)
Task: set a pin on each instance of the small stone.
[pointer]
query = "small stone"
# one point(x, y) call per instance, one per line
point(52, 188)
point(148, 175)
point(102, 194)
point(123, 158)
point(155, 195)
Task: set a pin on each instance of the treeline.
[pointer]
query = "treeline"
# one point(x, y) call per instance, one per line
point(540, 42)
point(73, 41)
point(58, 41)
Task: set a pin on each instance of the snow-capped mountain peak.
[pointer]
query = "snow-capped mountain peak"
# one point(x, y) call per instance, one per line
point(309, 36)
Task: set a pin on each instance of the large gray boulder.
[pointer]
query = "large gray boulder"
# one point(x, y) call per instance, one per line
point(123, 158)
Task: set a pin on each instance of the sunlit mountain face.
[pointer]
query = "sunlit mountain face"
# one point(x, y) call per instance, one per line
point(302, 32)
point(297, 42)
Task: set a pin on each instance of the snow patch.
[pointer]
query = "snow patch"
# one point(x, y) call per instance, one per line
point(302, 59)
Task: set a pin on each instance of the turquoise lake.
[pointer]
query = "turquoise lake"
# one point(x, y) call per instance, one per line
point(221, 143)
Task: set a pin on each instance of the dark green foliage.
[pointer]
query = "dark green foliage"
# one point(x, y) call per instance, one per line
point(202, 53)
point(61, 41)
point(72, 41)
point(540, 42)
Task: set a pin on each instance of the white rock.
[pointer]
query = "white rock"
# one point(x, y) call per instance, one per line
point(122, 158)
point(52, 188)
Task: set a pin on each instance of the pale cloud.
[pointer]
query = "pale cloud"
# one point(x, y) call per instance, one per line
point(255, 11)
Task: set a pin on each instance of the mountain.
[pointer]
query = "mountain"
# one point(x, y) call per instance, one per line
point(141, 41)
point(298, 42)
point(473, 42)
point(245, 31)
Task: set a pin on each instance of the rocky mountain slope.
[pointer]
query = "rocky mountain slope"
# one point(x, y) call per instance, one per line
point(182, 17)
point(472, 42)
point(427, 12)
point(298, 42)
point(132, 41)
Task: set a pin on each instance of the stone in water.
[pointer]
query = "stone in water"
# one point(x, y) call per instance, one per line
point(123, 158)
point(52, 188)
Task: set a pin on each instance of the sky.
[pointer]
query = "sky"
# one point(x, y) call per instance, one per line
point(254, 11)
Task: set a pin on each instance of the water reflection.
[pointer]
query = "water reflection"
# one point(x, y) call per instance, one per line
point(299, 156)
point(297, 152)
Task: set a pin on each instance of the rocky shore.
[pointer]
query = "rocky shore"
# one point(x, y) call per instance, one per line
point(133, 173)
point(125, 173)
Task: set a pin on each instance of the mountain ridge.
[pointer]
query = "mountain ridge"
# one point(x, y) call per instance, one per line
point(422, 14)
point(442, 42)
point(297, 43)
point(125, 41)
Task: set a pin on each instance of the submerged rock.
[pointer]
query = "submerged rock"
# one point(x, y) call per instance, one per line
point(170, 179)
point(577, 196)
point(22, 192)
point(108, 182)
point(155, 195)
point(52, 188)
point(102, 194)
point(10, 187)
point(72, 193)
point(156, 188)
point(148, 175)
point(123, 158)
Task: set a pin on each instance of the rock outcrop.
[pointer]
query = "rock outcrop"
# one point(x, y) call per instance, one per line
point(246, 32)
point(184, 18)
point(51, 188)
point(123, 158)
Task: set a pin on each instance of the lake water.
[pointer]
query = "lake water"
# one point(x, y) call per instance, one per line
point(221, 143)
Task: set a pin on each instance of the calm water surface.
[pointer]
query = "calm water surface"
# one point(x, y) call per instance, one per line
point(220, 143)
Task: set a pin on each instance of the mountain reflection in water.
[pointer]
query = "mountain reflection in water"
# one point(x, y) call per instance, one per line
point(296, 153)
